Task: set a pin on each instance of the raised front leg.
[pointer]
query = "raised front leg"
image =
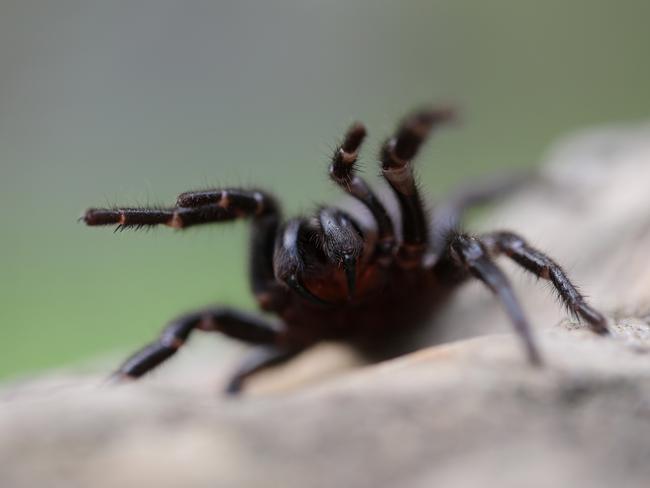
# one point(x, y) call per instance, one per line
point(192, 208)
point(209, 206)
point(396, 158)
point(343, 173)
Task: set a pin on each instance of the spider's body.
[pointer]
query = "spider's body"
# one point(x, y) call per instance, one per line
point(333, 276)
point(394, 302)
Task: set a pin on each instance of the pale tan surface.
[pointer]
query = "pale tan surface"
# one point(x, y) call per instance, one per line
point(469, 413)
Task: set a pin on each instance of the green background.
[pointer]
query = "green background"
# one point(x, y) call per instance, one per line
point(133, 102)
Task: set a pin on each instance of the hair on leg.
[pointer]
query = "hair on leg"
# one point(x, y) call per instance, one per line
point(193, 208)
point(447, 215)
point(469, 253)
point(396, 157)
point(209, 206)
point(538, 263)
point(343, 172)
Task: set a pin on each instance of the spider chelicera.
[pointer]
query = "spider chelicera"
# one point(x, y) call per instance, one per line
point(328, 277)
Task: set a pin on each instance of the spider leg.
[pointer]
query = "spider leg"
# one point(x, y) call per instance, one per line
point(208, 206)
point(470, 254)
point(233, 323)
point(261, 357)
point(343, 172)
point(226, 205)
point(396, 157)
point(448, 214)
point(517, 249)
point(265, 225)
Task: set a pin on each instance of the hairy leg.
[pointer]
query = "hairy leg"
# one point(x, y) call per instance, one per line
point(517, 249)
point(230, 204)
point(209, 206)
point(343, 173)
point(469, 253)
point(396, 157)
point(233, 323)
point(448, 214)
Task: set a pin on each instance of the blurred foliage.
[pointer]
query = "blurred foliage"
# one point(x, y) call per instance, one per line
point(133, 102)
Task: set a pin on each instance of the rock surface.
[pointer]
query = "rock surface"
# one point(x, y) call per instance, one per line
point(465, 413)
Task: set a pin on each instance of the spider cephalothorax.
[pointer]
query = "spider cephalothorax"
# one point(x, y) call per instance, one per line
point(330, 277)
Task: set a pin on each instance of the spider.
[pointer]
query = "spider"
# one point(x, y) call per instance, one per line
point(328, 277)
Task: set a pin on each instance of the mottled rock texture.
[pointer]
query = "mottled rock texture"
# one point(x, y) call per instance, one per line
point(461, 413)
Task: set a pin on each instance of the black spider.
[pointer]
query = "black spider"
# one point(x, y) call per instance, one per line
point(329, 277)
